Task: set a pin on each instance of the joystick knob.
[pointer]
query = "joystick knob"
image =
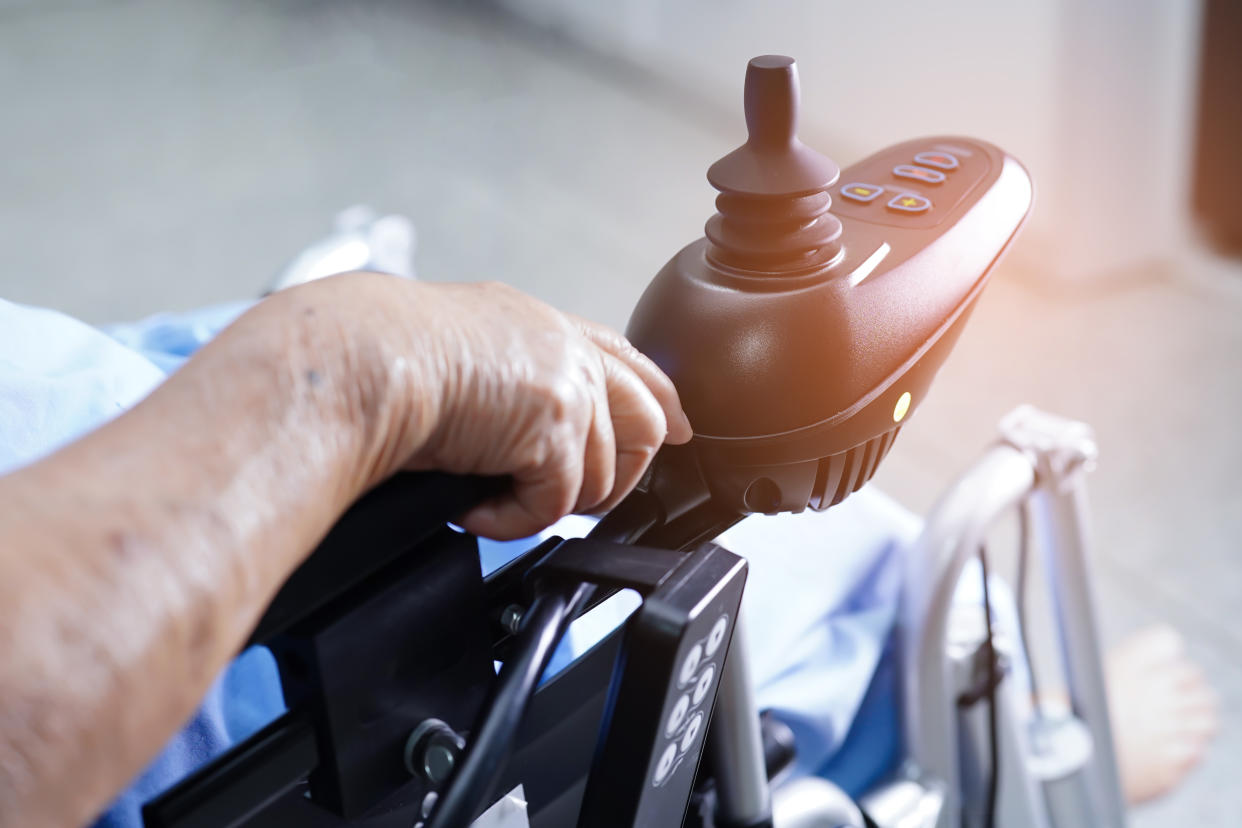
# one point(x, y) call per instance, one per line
point(773, 205)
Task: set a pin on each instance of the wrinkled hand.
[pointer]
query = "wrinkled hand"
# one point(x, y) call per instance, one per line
point(482, 379)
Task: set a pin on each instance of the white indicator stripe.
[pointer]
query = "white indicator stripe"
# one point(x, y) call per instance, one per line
point(868, 267)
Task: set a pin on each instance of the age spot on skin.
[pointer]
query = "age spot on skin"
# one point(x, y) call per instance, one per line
point(123, 545)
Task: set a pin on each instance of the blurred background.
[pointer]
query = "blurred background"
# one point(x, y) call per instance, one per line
point(163, 155)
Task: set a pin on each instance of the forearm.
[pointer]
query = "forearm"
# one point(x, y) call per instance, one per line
point(134, 562)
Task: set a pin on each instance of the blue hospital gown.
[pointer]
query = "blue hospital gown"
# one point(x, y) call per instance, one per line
point(820, 602)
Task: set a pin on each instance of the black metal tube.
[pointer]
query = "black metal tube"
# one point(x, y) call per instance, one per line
point(470, 789)
point(633, 516)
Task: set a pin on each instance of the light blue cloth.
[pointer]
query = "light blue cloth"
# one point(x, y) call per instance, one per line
point(820, 603)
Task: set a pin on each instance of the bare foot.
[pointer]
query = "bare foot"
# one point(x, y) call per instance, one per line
point(1164, 712)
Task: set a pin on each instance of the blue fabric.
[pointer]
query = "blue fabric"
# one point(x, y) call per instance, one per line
point(168, 339)
point(820, 602)
point(243, 699)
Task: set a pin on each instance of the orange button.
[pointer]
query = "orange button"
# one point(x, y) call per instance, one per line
point(910, 203)
point(939, 160)
point(863, 193)
point(918, 174)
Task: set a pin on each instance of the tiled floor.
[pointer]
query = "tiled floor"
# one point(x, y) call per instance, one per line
point(163, 155)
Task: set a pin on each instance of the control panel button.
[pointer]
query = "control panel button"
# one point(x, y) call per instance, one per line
point(864, 193)
point(667, 760)
point(910, 203)
point(921, 174)
point(690, 666)
point(716, 637)
point(704, 684)
point(939, 160)
point(692, 732)
point(678, 717)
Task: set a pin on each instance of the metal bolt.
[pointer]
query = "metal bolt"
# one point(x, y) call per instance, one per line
point(438, 761)
point(511, 618)
point(432, 751)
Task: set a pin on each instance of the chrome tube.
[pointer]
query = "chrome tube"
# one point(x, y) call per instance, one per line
point(1020, 797)
point(952, 535)
point(735, 744)
point(1060, 507)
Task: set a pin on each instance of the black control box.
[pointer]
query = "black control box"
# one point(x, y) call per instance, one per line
point(663, 692)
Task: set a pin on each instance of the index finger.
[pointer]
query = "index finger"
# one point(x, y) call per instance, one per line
point(608, 340)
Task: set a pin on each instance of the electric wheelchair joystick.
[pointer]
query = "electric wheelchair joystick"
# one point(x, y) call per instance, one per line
point(801, 332)
point(806, 326)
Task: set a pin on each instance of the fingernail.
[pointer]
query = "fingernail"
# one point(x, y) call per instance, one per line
point(480, 517)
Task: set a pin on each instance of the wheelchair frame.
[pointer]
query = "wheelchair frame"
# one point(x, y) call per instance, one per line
point(1055, 771)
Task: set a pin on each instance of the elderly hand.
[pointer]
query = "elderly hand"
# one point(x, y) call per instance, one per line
point(482, 379)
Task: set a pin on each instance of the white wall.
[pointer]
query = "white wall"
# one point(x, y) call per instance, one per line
point(1093, 95)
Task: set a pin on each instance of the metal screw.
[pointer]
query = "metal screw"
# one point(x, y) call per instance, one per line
point(511, 618)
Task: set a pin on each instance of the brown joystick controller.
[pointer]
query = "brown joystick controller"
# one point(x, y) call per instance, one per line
point(802, 340)
point(773, 205)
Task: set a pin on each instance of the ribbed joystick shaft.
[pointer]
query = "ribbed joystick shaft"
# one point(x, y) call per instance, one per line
point(773, 208)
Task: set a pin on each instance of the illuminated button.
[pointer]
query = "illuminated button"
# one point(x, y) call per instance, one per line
point(910, 203)
point(913, 173)
point(864, 193)
point(939, 160)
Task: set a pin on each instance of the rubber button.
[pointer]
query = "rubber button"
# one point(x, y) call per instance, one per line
point(692, 732)
point(910, 203)
point(665, 766)
point(690, 666)
point(939, 160)
point(678, 717)
point(704, 684)
point(862, 193)
point(716, 637)
point(922, 174)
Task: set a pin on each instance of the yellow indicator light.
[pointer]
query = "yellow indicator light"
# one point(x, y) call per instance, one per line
point(903, 405)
